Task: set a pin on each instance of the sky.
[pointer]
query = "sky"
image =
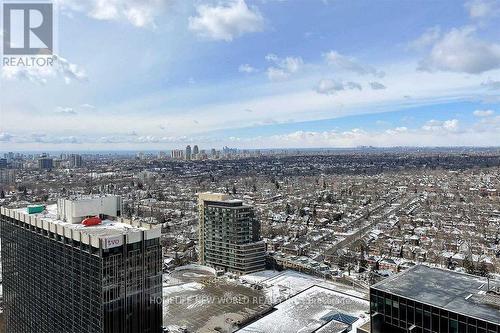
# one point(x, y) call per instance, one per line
point(161, 74)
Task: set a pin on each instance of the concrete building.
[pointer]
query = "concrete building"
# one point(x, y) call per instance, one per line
point(7, 176)
point(75, 161)
point(60, 275)
point(177, 154)
point(196, 150)
point(75, 209)
point(45, 163)
point(424, 299)
point(229, 235)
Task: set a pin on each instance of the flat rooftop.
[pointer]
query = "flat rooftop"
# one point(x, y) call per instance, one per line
point(200, 302)
point(456, 292)
point(105, 229)
point(108, 234)
point(228, 203)
point(314, 310)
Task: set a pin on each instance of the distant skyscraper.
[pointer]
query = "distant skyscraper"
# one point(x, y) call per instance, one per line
point(3, 163)
point(196, 150)
point(66, 270)
point(177, 154)
point(75, 161)
point(46, 163)
point(229, 235)
point(188, 152)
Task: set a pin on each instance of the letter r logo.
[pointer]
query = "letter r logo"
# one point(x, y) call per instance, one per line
point(28, 28)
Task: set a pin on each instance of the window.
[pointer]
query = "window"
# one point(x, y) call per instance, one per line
point(443, 324)
point(380, 304)
point(418, 317)
point(435, 323)
point(388, 305)
point(453, 326)
point(395, 309)
point(427, 319)
point(411, 315)
point(402, 312)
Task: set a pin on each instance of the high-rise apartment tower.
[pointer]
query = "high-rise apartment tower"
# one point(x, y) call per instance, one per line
point(229, 235)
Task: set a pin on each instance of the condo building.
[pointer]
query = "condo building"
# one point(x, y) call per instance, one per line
point(177, 154)
point(424, 299)
point(45, 163)
point(78, 267)
point(229, 235)
point(75, 161)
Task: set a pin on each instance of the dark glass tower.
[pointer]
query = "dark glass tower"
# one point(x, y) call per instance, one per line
point(62, 277)
point(432, 300)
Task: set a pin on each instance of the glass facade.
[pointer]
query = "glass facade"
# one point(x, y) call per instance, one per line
point(394, 314)
point(55, 284)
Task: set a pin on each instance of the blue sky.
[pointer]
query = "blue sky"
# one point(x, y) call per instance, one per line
point(160, 74)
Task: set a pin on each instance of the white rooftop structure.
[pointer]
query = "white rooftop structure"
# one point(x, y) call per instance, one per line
point(75, 209)
point(65, 219)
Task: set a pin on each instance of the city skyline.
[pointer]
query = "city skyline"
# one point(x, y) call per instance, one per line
point(299, 74)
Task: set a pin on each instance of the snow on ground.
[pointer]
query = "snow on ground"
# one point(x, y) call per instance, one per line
point(259, 276)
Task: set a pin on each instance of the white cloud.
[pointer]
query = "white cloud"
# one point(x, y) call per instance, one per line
point(129, 138)
point(451, 125)
point(483, 113)
point(297, 101)
point(489, 124)
point(87, 106)
point(70, 72)
point(47, 139)
point(105, 10)
point(5, 137)
point(377, 85)
point(398, 136)
point(140, 13)
point(493, 85)
point(352, 85)
point(246, 68)
point(35, 75)
point(276, 74)
point(338, 60)
point(226, 21)
point(429, 37)
point(283, 67)
point(479, 9)
point(61, 68)
point(65, 111)
point(330, 87)
point(461, 51)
